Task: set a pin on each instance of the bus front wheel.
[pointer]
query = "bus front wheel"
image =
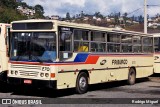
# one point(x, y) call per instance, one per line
point(131, 76)
point(82, 83)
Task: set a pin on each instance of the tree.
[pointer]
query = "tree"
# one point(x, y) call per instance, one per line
point(98, 14)
point(116, 17)
point(39, 11)
point(68, 16)
point(82, 14)
point(133, 18)
point(125, 17)
point(119, 14)
point(140, 19)
point(39, 8)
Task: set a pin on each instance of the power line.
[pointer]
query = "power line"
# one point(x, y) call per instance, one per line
point(134, 11)
point(153, 5)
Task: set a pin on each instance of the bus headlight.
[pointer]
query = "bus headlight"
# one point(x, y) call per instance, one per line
point(12, 72)
point(42, 74)
point(46, 74)
point(16, 72)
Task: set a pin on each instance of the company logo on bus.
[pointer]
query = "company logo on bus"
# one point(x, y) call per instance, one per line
point(103, 62)
point(119, 61)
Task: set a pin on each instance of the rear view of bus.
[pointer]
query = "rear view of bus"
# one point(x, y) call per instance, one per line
point(4, 33)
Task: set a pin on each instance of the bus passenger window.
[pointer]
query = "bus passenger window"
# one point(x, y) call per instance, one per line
point(81, 46)
point(65, 41)
point(137, 45)
point(147, 44)
point(98, 47)
point(65, 46)
point(113, 48)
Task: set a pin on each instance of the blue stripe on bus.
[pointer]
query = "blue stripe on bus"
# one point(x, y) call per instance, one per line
point(81, 57)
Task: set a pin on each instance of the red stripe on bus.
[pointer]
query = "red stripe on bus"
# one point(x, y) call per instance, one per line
point(92, 59)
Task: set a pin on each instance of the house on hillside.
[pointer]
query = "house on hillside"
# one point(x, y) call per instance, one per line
point(55, 17)
point(26, 11)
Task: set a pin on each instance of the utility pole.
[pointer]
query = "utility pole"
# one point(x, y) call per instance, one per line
point(145, 16)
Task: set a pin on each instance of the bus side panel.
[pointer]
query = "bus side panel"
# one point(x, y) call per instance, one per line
point(143, 72)
point(156, 67)
point(113, 68)
point(66, 80)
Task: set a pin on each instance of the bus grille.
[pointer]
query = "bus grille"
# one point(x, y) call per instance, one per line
point(28, 73)
point(27, 67)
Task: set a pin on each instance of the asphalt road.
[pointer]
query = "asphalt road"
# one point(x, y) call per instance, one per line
point(144, 88)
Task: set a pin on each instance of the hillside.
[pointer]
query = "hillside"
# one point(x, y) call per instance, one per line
point(9, 12)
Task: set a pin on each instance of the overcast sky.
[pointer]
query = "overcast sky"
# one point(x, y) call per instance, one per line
point(61, 7)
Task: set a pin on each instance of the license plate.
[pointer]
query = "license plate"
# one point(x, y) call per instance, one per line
point(28, 81)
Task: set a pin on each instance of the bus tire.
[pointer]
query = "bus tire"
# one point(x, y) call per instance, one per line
point(131, 76)
point(82, 83)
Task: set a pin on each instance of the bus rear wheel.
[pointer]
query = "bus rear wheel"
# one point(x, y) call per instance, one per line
point(131, 76)
point(82, 83)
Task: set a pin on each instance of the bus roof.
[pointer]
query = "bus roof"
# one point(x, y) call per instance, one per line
point(156, 34)
point(82, 26)
point(132, 32)
point(68, 24)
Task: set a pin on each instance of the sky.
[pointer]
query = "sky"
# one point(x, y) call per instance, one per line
point(61, 7)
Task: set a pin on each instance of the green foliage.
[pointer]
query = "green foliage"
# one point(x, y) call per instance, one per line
point(9, 13)
point(68, 16)
point(39, 11)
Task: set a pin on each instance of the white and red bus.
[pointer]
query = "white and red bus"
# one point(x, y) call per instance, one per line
point(57, 54)
point(4, 35)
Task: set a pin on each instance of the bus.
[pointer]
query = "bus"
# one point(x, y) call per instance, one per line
point(157, 52)
point(4, 48)
point(60, 55)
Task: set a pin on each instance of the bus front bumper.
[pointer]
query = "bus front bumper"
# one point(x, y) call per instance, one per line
point(34, 82)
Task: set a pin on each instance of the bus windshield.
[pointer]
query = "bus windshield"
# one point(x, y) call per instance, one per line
point(33, 46)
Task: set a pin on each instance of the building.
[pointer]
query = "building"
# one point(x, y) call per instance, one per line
point(26, 11)
point(55, 17)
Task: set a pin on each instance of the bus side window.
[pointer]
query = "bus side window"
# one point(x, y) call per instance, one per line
point(65, 45)
point(81, 41)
